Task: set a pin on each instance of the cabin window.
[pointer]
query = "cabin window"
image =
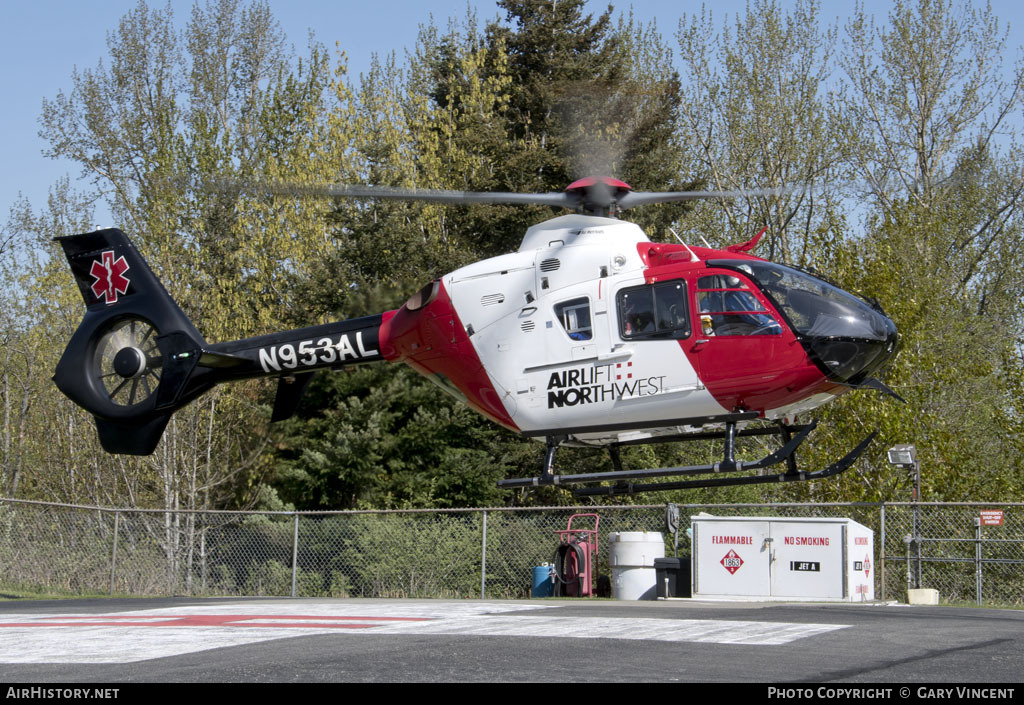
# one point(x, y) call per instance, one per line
point(728, 307)
point(574, 315)
point(655, 311)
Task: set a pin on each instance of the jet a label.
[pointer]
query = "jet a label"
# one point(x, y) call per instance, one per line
point(805, 566)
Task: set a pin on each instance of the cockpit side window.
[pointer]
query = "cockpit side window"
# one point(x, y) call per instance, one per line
point(654, 311)
point(728, 307)
point(574, 315)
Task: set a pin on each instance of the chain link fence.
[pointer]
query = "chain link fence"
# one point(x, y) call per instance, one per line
point(473, 553)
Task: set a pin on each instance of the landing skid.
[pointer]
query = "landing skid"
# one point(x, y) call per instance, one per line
point(623, 478)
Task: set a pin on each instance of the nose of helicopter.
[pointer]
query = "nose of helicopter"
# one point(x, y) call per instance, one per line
point(848, 338)
point(855, 347)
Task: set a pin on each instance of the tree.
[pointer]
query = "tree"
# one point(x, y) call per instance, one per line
point(920, 115)
point(156, 132)
point(921, 91)
point(35, 303)
point(502, 110)
point(939, 247)
point(755, 115)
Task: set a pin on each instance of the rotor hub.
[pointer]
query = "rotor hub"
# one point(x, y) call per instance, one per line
point(598, 195)
point(129, 362)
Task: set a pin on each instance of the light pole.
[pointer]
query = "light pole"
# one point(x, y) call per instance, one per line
point(905, 456)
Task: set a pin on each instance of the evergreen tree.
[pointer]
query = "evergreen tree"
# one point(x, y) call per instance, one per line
point(542, 95)
point(520, 107)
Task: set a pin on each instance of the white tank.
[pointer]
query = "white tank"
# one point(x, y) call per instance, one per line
point(631, 558)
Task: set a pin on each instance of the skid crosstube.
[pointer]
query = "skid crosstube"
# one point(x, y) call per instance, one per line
point(622, 478)
point(629, 488)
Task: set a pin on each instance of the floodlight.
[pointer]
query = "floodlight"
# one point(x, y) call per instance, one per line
point(903, 455)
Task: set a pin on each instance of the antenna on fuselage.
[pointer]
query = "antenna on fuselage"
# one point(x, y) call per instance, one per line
point(693, 255)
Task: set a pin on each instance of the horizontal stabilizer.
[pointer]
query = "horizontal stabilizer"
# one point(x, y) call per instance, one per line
point(221, 361)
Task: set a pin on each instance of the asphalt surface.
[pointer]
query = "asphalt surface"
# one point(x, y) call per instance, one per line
point(550, 641)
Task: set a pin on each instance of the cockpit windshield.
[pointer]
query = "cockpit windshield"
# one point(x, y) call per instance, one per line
point(847, 337)
point(814, 307)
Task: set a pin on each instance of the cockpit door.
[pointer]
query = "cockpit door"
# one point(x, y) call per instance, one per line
point(742, 348)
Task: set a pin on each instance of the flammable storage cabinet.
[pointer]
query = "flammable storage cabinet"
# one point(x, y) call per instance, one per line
point(783, 558)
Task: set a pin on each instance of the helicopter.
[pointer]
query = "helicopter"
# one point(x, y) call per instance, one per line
point(589, 335)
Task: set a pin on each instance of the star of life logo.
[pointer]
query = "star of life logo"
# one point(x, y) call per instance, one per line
point(109, 276)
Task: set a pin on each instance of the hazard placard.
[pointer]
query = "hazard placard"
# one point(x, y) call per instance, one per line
point(732, 562)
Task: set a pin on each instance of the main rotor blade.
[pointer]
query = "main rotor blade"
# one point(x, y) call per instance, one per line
point(564, 200)
point(596, 197)
point(643, 198)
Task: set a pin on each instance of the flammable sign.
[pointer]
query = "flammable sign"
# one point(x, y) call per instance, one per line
point(731, 561)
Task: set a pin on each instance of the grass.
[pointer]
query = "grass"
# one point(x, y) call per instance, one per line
point(8, 593)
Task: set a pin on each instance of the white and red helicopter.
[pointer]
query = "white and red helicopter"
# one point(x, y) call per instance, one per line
point(588, 335)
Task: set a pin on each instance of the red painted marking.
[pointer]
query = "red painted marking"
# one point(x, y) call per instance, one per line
point(213, 620)
point(588, 181)
point(752, 372)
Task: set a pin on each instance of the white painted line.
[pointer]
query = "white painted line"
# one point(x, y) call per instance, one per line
point(46, 640)
point(642, 629)
point(137, 636)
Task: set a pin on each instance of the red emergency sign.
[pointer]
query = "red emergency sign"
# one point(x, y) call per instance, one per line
point(732, 561)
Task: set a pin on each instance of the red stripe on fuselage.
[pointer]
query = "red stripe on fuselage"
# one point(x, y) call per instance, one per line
point(433, 341)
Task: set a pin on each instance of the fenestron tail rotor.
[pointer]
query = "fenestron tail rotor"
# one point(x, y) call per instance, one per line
point(132, 360)
point(136, 358)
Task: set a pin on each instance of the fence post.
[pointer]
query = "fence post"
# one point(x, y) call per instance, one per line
point(295, 550)
point(881, 558)
point(909, 540)
point(202, 557)
point(977, 559)
point(113, 553)
point(483, 561)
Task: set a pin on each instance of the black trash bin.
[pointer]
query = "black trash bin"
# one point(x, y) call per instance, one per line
point(673, 575)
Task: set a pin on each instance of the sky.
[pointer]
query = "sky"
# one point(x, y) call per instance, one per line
point(43, 41)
